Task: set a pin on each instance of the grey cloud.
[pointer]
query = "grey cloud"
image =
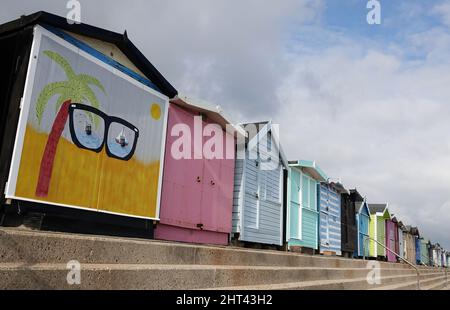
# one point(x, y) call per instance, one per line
point(225, 52)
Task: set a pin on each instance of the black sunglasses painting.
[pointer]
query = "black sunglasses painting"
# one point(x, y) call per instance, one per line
point(91, 129)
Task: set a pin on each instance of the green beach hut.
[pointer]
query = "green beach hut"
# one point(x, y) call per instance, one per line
point(379, 213)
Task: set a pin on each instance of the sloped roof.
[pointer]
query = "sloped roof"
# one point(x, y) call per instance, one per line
point(310, 167)
point(415, 231)
point(357, 196)
point(359, 205)
point(120, 40)
point(377, 207)
point(262, 131)
point(215, 113)
point(340, 188)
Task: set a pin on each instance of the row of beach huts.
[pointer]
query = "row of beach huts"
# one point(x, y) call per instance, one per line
point(289, 205)
point(293, 205)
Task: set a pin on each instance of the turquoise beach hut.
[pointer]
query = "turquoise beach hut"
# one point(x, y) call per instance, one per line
point(302, 211)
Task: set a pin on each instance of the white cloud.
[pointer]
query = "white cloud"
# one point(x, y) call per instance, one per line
point(377, 122)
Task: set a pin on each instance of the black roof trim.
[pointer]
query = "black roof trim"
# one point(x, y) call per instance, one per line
point(121, 40)
point(356, 195)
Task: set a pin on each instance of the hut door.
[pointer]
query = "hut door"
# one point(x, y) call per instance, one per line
point(252, 193)
point(325, 240)
point(182, 181)
point(210, 203)
point(391, 237)
point(295, 224)
point(217, 191)
point(390, 240)
point(363, 232)
point(325, 217)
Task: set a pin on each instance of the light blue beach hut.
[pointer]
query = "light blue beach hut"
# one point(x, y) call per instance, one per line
point(259, 182)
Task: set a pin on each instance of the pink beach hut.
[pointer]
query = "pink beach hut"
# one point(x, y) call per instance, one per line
point(197, 189)
point(392, 239)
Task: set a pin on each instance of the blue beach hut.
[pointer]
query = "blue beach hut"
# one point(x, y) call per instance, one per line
point(329, 206)
point(362, 214)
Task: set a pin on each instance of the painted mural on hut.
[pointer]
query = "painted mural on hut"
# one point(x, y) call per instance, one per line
point(92, 137)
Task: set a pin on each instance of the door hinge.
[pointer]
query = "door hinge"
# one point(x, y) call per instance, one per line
point(6, 187)
point(21, 104)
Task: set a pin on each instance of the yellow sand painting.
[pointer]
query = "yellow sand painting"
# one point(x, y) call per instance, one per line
point(126, 187)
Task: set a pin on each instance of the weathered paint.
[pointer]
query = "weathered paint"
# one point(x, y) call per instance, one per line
point(391, 239)
point(258, 192)
point(303, 216)
point(363, 222)
point(329, 205)
point(197, 194)
point(109, 49)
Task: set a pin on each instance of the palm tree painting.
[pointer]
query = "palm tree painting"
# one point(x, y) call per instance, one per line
point(77, 89)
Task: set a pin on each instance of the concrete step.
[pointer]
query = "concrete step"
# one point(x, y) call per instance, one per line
point(425, 284)
point(29, 247)
point(341, 284)
point(152, 276)
point(37, 260)
point(437, 286)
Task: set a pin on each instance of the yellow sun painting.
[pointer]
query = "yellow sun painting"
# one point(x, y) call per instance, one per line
point(155, 111)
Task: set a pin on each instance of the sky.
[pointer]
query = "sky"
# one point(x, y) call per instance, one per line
point(369, 103)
